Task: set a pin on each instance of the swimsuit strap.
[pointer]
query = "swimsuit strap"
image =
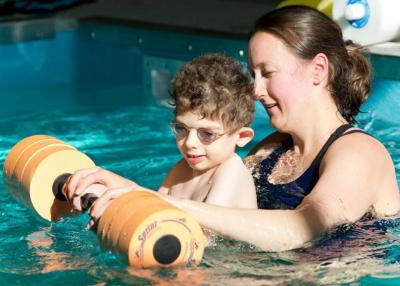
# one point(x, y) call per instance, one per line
point(356, 131)
point(291, 194)
point(310, 177)
point(335, 135)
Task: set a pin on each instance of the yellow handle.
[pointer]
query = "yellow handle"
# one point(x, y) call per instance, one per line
point(325, 6)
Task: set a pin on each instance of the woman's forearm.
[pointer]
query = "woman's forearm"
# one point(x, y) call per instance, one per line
point(272, 230)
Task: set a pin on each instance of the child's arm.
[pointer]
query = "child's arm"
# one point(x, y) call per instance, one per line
point(232, 185)
point(175, 176)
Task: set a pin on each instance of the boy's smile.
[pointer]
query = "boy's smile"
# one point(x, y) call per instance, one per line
point(194, 159)
point(203, 157)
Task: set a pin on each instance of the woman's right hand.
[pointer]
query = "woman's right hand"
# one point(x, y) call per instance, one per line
point(98, 207)
point(82, 181)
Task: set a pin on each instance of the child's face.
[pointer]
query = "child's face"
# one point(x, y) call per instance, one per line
point(201, 154)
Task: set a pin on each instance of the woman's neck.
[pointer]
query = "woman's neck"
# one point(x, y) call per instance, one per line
point(310, 134)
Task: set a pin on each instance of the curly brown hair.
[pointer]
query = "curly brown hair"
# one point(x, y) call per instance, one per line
point(216, 87)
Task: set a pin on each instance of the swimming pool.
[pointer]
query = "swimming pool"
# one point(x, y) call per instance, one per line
point(91, 84)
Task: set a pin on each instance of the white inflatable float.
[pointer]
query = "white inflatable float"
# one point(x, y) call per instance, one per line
point(366, 22)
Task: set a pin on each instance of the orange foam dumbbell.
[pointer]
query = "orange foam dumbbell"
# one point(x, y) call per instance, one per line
point(36, 170)
point(148, 231)
point(139, 226)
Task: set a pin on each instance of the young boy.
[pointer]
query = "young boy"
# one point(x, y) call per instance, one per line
point(213, 110)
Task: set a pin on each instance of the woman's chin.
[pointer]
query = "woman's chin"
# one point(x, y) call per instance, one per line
point(274, 123)
point(278, 126)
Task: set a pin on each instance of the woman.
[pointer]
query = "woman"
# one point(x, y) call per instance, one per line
point(316, 171)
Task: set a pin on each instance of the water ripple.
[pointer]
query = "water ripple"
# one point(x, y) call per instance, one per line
point(137, 143)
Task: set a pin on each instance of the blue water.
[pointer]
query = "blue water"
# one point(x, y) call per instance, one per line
point(136, 142)
point(107, 113)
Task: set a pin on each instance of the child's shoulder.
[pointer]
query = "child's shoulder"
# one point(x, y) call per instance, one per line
point(234, 165)
point(232, 185)
point(180, 172)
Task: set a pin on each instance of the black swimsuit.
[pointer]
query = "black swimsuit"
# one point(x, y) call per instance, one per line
point(290, 195)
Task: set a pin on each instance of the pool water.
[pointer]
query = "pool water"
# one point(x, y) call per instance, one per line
point(136, 142)
point(131, 136)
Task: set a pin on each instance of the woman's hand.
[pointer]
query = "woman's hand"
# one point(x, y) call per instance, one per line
point(98, 207)
point(83, 181)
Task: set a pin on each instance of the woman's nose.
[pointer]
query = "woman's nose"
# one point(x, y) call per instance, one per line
point(259, 89)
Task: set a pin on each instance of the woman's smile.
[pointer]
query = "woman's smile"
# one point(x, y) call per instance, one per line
point(270, 105)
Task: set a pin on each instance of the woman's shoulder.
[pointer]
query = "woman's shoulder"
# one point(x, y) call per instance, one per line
point(359, 145)
point(360, 153)
point(357, 167)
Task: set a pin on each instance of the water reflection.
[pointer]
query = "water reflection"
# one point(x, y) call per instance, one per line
point(49, 259)
point(65, 250)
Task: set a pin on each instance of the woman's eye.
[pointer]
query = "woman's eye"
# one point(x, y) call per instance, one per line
point(266, 74)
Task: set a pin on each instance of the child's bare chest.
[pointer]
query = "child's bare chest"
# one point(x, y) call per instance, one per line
point(196, 190)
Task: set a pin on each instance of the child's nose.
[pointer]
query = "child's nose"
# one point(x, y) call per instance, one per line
point(192, 140)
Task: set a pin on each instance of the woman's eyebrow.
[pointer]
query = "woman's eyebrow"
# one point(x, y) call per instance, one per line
point(261, 65)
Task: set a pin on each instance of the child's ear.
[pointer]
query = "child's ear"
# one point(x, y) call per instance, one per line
point(245, 135)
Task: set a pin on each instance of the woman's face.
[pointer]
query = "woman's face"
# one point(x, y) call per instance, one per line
point(281, 80)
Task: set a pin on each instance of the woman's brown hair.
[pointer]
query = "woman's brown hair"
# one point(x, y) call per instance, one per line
point(307, 32)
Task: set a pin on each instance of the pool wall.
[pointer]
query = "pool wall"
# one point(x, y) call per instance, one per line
point(93, 65)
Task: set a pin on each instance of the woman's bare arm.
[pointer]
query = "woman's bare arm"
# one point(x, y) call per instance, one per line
point(353, 179)
point(350, 184)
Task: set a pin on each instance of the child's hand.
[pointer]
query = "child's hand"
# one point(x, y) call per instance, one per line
point(93, 180)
